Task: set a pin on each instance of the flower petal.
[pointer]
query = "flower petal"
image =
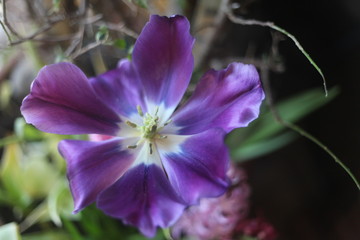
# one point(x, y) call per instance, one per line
point(120, 89)
point(93, 166)
point(228, 99)
point(62, 101)
point(163, 59)
point(199, 169)
point(143, 197)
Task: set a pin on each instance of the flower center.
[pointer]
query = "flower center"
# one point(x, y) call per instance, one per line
point(149, 130)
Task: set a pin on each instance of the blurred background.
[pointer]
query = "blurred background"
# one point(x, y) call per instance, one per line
point(295, 185)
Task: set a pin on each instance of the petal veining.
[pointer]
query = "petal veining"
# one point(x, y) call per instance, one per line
point(120, 89)
point(163, 59)
point(94, 166)
point(143, 197)
point(228, 99)
point(62, 101)
point(199, 168)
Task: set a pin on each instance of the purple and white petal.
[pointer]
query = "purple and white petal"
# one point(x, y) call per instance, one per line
point(228, 99)
point(144, 198)
point(93, 166)
point(163, 59)
point(120, 89)
point(198, 169)
point(62, 101)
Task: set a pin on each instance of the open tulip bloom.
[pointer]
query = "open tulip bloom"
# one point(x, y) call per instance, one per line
point(161, 158)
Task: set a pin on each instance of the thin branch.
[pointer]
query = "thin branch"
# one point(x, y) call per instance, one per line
point(239, 20)
point(21, 39)
point(56, 38)
point(210, 36)
point(86, 49)
point(83, 12)
point(41, 30)
point(264, 71)
point(270, 102)
point(119, 28)
point(12, 30)
point(5, 30)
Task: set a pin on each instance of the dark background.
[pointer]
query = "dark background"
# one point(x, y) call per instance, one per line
point(300, 189)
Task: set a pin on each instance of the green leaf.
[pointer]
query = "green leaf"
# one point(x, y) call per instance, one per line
point(141, 3)
point(249, 151)
point(38, 214)
point(48, 235)
point(56, 6)
point(60, 203)
point(265, 134)
point(5, 94)
point(35, 169)
point(26, 132)
point(292, 110)
point(12, 178)
point(120, 43)
point(10, 231)
point(102, 34)
point(72, 229)
point(130, 52)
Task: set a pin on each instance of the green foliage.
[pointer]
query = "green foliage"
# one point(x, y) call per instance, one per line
point(59, 203)
point(266, 134)
point(47, 235)
point(5, 93)
point(12, 179)
point(140, 3)
point(10, 231)
point(102, 34)
point(26, 132)
point(56, 6)
point(120, 43)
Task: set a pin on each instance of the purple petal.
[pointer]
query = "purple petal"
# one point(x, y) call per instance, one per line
point(120, 89)
point(162, 57)
point(62, 101)
point(228, 99)
point(199, 169)
point(144, 198)
point(93, 166)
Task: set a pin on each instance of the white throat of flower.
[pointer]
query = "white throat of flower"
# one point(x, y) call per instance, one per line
point(149, 130)
point(151, 135)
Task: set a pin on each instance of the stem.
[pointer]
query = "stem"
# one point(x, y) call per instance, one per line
point(9, 140)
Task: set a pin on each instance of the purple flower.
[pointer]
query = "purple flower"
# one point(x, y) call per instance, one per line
point(216, 218)
point(159, 160)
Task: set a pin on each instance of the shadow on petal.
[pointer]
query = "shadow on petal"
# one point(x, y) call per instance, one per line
point(93, 166)
point(144, 198)
point(199, 169)
point(228, 99)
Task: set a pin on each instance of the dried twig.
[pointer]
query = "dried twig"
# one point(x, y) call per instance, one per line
point(41, 30)
point(50, 22)
point(11, 29)
point(120, 27)
point(85, 49)
point(209, 38)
